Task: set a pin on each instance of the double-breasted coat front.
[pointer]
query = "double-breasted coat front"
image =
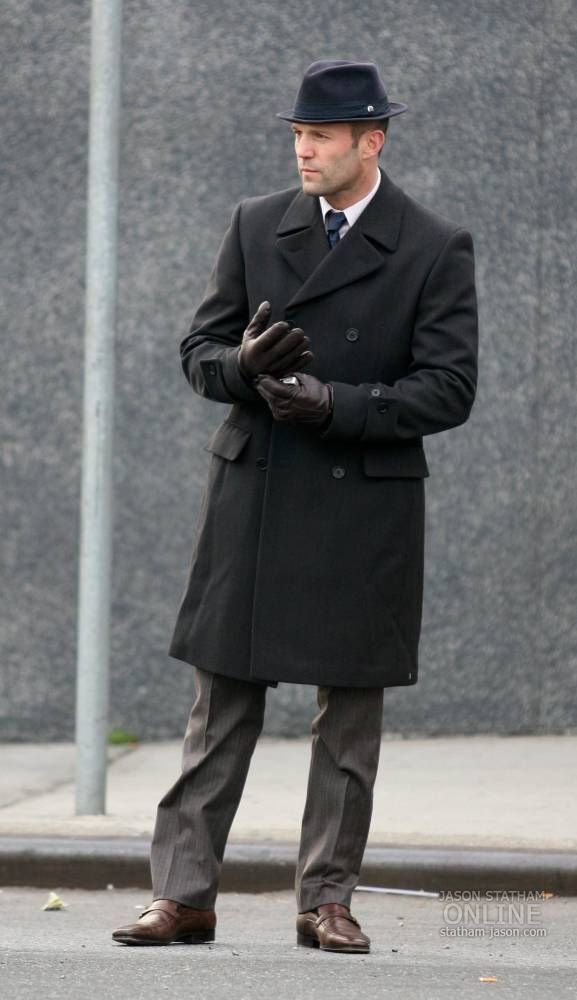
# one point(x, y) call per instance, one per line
point(308, 556)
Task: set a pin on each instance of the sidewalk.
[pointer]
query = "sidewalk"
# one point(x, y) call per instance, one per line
point(460, 811)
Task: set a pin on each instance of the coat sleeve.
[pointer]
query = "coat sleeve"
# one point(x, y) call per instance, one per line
point(438, 390)
point(209, 354)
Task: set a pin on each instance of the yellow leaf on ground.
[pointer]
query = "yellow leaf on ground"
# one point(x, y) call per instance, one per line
point(54, 902)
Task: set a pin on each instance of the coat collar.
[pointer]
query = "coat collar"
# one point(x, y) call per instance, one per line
point(302, 241)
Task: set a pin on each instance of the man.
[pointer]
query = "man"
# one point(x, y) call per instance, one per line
point(309, 553)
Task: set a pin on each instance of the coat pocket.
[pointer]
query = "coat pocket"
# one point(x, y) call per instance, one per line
point(395, 461)
point(228, 441)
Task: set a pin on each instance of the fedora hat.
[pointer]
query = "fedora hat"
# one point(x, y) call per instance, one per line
point(341, 92)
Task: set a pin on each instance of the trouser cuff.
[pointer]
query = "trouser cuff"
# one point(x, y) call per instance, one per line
point(311, 896)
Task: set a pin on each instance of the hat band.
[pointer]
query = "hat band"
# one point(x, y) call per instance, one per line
point(348, 109)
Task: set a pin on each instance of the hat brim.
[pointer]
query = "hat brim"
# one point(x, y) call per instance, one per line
point(393, 110)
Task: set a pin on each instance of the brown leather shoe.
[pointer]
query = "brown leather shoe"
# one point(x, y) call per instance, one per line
point(166, 921)
point(333, 928)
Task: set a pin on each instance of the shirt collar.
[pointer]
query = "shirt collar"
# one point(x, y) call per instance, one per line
point(353, 211)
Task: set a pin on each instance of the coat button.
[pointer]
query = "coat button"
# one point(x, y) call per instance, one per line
point(382, 407)
point(212, 369)
point(352, 335)
point(262, 463)
point(375, 392)
point(337, 472)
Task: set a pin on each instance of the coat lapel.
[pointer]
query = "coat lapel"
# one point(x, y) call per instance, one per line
point(303, 242)
point(301, 236)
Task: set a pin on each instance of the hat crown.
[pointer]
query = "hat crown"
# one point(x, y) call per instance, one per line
point(334, 82)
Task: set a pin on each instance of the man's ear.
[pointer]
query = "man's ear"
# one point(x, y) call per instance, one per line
point(373, 142)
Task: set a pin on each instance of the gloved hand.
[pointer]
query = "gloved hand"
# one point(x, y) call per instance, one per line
point(277, 350)
point(305, 400)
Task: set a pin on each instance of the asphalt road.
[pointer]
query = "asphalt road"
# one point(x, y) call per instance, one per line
point(69, 954)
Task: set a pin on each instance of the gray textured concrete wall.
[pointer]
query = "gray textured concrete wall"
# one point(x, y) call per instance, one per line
point(490, 140)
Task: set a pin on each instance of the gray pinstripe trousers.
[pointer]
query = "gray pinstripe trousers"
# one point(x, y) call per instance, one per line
point(195, 815)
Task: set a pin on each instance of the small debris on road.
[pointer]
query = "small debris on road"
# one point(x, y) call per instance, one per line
point(54, 902)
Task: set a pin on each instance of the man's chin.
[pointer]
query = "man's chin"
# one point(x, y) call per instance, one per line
point(312, 183)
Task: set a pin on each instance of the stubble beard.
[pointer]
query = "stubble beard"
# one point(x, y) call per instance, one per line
point(313, 185)
point(318, 185)
point(321, 184)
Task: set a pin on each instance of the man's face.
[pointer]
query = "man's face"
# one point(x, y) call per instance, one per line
point(328, 162)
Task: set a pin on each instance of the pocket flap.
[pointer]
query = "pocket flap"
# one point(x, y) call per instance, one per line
point(228, 441)
point(395, 461)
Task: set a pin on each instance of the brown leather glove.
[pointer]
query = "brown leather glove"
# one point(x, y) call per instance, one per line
point(278, 349)
point(304, 400)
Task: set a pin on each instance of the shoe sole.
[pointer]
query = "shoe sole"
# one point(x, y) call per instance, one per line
point(197, 937)
point(310, 942)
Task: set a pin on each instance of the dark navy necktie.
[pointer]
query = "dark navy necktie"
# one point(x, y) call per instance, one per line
point(333, 222)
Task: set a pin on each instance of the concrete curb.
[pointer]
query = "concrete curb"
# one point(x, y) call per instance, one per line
point(66, 862)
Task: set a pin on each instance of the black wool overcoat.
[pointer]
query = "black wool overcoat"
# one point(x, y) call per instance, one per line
point(308, 557)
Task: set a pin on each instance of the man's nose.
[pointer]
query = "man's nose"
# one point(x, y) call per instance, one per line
point(305, 151)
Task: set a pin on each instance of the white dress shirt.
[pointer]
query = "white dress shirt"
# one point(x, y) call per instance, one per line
point(353, 211)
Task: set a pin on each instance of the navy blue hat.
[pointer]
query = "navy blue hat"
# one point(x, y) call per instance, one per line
point(341, 92)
